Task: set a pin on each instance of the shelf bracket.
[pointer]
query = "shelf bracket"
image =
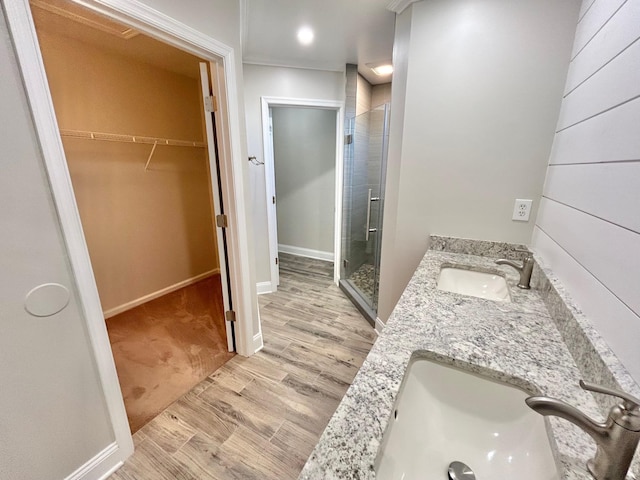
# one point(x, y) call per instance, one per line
point(153, 149)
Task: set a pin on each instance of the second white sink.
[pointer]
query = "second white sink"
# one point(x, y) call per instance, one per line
point(475, 284)
point(443, 414)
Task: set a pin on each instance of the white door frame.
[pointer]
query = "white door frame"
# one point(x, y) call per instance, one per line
point(270, 177)
point(168, 30)
point(206, 74)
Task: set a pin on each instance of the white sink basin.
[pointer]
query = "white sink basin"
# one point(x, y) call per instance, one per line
point(444, 414)
point(476, 284)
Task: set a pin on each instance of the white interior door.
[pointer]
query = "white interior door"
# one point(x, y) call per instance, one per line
point(209, 104)
point(272, 213)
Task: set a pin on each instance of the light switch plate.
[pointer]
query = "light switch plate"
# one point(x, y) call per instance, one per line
point(522, 210)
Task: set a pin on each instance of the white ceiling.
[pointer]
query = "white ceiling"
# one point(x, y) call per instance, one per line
point(346, 31)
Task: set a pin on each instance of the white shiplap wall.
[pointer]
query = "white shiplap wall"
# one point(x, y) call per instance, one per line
point(588, 226)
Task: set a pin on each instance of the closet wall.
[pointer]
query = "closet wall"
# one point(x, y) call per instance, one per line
point(148, 231)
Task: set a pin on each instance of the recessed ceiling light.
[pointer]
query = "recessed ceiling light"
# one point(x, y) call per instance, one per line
point(383, 69)
point(305, 35)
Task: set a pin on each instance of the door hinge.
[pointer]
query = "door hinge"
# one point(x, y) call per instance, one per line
point(230, 316)
point(221, 221)
point(273, 199)
point(276, 260)
point(210, 103)
point(345, 263)
point(348, 139)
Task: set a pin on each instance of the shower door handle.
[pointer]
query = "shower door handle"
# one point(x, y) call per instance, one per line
point(368, 229)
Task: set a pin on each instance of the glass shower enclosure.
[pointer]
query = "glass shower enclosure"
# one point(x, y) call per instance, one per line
point(365, 164)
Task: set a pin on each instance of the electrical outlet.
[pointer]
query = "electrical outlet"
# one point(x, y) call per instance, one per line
point(522, 210)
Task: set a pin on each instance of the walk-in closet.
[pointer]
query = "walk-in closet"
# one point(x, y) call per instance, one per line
point(130, 113)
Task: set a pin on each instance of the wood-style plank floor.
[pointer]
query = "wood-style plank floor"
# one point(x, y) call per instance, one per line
point(260, 417)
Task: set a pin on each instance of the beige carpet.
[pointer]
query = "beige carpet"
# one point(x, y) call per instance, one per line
point(165, 347)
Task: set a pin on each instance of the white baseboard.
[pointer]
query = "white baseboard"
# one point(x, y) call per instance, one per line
point(258, 344)
point(111, 471)
point(306, 252)
point(264, 287)
point(99, 467)
point(152, 296)
point(379, 326)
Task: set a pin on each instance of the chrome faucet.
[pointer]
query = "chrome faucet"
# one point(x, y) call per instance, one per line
point(525, 269)
point(616, 439)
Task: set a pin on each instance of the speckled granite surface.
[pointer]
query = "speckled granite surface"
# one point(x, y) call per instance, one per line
point(480, 248)
point(516, 342)
point(597, 363)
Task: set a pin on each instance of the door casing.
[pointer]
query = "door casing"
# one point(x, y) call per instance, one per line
point(207, 73)
point(270, 177)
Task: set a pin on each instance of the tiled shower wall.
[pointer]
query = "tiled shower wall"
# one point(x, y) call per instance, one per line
point(362, 168)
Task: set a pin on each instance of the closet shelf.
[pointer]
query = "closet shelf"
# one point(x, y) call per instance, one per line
point(114, 137)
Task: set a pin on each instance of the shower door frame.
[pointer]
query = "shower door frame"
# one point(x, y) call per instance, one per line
point(270, 178)
point(355, 294)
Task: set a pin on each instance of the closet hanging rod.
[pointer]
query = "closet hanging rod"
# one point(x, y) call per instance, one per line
point(115, 137)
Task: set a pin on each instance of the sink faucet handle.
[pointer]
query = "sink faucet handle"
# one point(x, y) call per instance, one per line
point(524, 250)
point(632, 402)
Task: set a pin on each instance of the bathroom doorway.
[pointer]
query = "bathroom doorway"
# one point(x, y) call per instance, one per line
point(302, 188)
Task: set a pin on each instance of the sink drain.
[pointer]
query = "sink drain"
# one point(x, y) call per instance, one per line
point(460, 471)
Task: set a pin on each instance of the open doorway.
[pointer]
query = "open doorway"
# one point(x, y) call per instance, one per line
point(131, 115)
point(305, 169)
point(303, 172)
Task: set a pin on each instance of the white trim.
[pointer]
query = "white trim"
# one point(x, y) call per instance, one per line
point(306, 252)
point(159, 293)
point(111, 471)
point(264, 287)
point(231, 162)
point(270, 192)
point(268, 102)
point(96, 467)
point(337, 228)
point(398, 6)
point(302, 102)
point(208, 71)
point(379, 325)
point(337, 68)
point(257, 342)
point(166, 29)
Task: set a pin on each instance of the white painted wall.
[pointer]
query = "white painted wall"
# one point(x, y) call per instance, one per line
point(390, 290)
point(54, 416)
point(588, 227)
point(483, 89)
point(262, 81)
point(304, 145)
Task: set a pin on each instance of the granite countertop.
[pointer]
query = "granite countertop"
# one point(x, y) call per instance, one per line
point(515, 342)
